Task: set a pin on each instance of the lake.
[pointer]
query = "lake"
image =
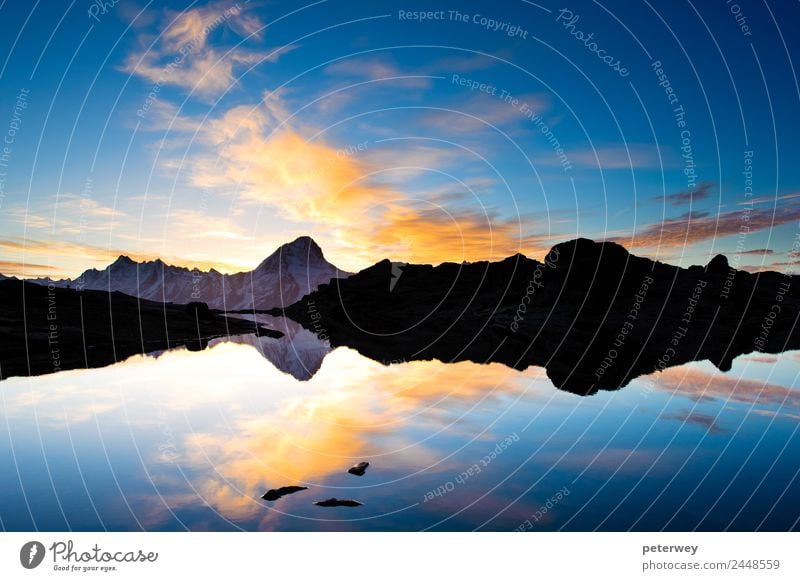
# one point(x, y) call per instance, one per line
point(191, 440)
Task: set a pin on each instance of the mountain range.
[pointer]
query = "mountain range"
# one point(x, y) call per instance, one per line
point(592, 314)
point(293, 270)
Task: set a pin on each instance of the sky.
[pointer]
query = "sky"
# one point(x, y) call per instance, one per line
point(210, 133)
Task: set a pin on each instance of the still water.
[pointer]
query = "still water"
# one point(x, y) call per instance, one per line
point(184, 440)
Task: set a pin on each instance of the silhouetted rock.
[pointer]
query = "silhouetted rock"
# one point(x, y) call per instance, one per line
point(199, 310)
point(276, 493)
point(592, 314)
point(336, 502)
point(48, 329)
point(359, 469)
point(718, 265)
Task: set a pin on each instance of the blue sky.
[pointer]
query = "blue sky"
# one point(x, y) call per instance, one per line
point(210, 133)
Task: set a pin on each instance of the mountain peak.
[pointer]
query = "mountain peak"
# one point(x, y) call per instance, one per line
point(293, 270)
point(303, 249)
point(718, 264)
point(305, 244)
point(122, 259)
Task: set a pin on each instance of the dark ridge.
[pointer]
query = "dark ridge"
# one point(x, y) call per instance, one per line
point(45, 329)
point(336, 502)
point(592, 314)
point(276, 493)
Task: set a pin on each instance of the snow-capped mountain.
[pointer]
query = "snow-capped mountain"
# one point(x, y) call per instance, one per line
point(293, 270)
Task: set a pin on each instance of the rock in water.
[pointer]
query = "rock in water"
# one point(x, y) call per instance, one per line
point(359, 469)
point(336, 502)
point(276, 493)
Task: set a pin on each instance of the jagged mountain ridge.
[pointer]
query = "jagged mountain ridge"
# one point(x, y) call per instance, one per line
point(593, 315)
point(290, 272)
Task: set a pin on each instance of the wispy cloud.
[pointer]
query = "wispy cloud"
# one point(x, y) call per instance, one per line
point(700, 385)
point(758, 251)
point(66, 214)
point(705, 421)
point(694, 227)
point(701, 192)
point(346, 192)
point(378, 68)
point(481, 111)
point(12, 268)
point(628, 156)
point(464, 63)
point(770, 199)
point(182, 54)
point(34, 257)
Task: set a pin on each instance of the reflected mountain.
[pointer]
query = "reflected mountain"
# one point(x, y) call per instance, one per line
point(592, 314)
point(299, 352)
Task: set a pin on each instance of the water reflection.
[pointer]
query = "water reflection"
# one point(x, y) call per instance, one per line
point(192, 440)
point(299, 353)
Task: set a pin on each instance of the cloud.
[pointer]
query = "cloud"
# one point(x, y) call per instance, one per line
point(377, 68)
point(464, 64)
point(692, 227)
point(758, 251)
point(35, 257)
point(761, 358)
point(705, 421)
point(72, 258)
point(628, 156)
point(698, 385)
point(701, 192)
point(182, 55)
point(344, 413)
point(11, 268)
point(770, 199)
point(69, 214)
point(755, 269)
point(479, 111)
point(261, 155)
point(434, 235)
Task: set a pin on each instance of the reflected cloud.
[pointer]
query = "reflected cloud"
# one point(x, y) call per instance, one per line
point(351, 409)
point(307, 439)
point(705, 421)
point(700, 385)
point(212, 441)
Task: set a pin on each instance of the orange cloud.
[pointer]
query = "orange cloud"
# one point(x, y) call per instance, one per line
point(340, 192)
point(310, 437)
point(11, 268)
